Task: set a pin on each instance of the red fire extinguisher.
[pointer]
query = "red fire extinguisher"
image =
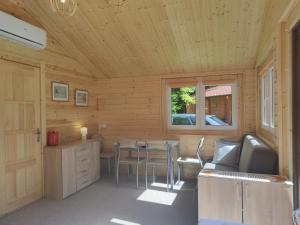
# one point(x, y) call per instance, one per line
point(52, 138)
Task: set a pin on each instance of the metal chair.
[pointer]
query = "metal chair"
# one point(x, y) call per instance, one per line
point(128, 146)
point(196, 161)
point(162, 148)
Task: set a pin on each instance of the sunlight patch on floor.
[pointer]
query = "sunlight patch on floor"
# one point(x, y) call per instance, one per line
point(177, 186)
point(159, 197)
point(122, 222)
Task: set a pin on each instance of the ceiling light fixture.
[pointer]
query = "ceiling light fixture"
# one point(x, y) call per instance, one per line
point(64, 7)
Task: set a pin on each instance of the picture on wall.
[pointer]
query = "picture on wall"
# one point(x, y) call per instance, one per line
point(81, 97)
point(60, 92)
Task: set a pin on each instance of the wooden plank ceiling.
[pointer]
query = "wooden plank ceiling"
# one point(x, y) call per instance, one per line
point(155, 37)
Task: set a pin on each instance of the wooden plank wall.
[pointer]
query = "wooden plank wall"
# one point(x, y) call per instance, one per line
point(59, 66)
point(132, 107)
point(65, 117)
point(275, 42)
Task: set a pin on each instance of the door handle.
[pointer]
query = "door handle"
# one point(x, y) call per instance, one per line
point(38, 134)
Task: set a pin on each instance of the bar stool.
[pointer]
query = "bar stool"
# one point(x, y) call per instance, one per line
point(108, 157)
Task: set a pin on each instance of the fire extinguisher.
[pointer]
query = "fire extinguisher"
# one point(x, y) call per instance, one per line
point(52, 138)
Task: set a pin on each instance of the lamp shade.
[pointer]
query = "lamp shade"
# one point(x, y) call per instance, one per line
point(83, 131)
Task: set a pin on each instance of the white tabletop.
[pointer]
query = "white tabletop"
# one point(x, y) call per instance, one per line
point(214, 222)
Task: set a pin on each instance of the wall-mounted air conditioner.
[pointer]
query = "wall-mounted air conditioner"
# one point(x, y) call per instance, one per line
point(16, 30)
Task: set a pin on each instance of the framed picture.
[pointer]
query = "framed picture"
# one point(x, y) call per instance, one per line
point(60, 92)
point(81, 97)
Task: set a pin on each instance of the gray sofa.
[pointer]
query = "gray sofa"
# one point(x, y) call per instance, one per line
point(250, 155)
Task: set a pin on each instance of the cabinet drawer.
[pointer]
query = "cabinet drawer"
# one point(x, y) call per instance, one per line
point(83, 182)
point(83, 171)
point(82, 150)
point(83, 159)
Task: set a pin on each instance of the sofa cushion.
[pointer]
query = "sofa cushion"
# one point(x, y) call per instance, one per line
point(257, 157)
point(213, 166)
point(227, 153)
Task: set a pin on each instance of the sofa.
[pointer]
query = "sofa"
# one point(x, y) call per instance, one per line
point(249, 155)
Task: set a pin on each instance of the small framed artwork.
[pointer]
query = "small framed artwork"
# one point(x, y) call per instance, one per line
point(81, 97)
point(60, 92)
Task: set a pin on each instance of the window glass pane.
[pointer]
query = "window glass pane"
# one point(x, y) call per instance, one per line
point(183, 106)
point(268, 99)
point(218, 105)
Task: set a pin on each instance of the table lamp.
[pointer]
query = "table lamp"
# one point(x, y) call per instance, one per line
point(84, 132)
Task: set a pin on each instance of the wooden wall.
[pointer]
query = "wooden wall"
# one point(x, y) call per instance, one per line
point(132, 107)
point(64, 117)
point(275, 44)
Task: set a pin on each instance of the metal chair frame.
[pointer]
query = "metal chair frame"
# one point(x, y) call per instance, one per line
point(199, 151)
point(135, 160)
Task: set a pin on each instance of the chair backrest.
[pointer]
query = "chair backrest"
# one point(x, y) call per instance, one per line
point(200, 149)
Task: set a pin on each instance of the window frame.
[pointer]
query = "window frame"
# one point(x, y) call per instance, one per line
point(200, 111)
point(268, 125)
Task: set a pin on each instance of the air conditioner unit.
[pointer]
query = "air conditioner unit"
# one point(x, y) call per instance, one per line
point(16, 30)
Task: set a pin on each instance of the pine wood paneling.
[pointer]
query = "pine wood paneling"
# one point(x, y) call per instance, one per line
point(154, 37)
point(132, 107)
point(58, 66)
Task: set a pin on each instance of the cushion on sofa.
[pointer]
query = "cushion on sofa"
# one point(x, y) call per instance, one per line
point(257, 157)
point(213, 166)
point(227, 153)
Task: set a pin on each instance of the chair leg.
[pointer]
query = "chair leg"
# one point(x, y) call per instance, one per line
point(117, 173)
point(178, 173)
point(108, 165)
point(128, 170)
point(153, 175)
point(137, 175)
point(146, 175)
point(168, 171)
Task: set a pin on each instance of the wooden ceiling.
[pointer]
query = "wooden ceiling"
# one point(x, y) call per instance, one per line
point(155, 37)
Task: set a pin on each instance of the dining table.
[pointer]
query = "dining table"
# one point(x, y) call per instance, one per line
point(173, 148)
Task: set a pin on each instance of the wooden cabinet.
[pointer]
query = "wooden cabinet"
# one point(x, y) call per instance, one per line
point(70, 168)
point(244, 198)
point(217, 193)
point(68, 171)
point(267, 203)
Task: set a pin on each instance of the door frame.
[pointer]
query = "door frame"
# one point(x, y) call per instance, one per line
point(11, 57)
point(296, 111)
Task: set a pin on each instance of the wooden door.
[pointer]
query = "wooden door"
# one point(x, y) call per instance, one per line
point(220, 199)
point(68, 171)
point(267, 203)
point(20, 151)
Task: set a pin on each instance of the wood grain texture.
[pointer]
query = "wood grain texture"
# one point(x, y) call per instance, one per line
point(133, 108)
point(59, 66)
point(154, 37)
point(276, 41)
point(20, 161)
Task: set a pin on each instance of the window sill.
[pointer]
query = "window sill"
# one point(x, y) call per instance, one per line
point(227, 132)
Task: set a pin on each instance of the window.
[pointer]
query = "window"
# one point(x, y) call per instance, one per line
point(267, 100)
point(183, 106)
point(203, 107)
point(218, 105)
